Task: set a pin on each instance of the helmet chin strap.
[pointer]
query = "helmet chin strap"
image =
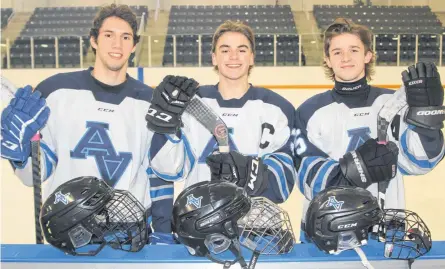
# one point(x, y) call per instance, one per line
point(362, 255)
point(234, 248)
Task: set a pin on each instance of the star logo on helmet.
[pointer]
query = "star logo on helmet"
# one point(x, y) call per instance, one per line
point(192, 200)
point(60, 197)
point(333, 202)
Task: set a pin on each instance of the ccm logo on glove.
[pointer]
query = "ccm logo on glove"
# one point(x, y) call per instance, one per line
point(160, 115)
point(253, 174)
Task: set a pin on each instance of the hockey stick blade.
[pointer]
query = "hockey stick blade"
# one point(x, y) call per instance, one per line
point(7, 94)
point(210, 120)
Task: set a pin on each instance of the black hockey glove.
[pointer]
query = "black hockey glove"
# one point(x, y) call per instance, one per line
point(370, 163)
point(169, 101)
point(245, 171)
point(424, 94)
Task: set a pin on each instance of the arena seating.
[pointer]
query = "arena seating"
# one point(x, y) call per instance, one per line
point(68, 24)
point(387, 23)
point(5, 14)
point(188, 22)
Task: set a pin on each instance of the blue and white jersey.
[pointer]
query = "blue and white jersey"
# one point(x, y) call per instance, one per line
point(260, 124)
point(335, 122)
point(100, 130)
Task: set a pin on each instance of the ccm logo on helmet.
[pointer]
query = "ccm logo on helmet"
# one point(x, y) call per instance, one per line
point(350, 225)
point(431, 112)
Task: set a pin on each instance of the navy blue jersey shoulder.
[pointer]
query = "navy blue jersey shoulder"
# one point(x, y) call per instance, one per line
point(273, 98)
point(70, 80)
point(142, 91)
point(305, 111)
point(375, 92)
point(208, 91)
point(82, 80)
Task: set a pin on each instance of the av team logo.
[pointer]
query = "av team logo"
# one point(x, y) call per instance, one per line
point(333, 202)
point(192, 200)
point(60, 197)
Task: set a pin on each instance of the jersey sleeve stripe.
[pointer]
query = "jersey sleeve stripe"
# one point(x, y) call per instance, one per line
point(305, 169)
point(278, 170)
point(188, 157)
point(49, 152)
point(161, 193)
point(428, 164)
point(322, 176)
point(49, 167)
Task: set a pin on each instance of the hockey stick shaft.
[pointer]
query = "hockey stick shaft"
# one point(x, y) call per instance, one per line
point(8, 91)
point(37, 187)
point(386, 114)
point(211, 121)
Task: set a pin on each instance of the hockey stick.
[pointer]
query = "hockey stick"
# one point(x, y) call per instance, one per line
point(210, 120)
point(8, 93)
point(384, 118)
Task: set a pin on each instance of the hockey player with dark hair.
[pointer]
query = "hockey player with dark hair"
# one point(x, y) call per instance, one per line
point(336, 130)
point(260, 122)
point(92, 124)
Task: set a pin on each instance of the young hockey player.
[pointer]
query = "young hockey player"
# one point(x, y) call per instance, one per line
point(336, 130)
point(260, 122)
point(93, 123)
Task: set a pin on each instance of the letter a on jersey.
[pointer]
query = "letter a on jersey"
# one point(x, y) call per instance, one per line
point(358, 137)
point(96, 143)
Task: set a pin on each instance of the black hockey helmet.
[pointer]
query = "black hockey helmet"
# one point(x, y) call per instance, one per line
point(85, 210)
point(339, 218)
point(205, 217)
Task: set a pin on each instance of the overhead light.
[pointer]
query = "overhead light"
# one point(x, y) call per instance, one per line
point(156, 41)
point(313, 42)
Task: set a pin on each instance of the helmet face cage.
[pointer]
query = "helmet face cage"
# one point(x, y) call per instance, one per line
point(266, 229)
point(405, 234)
point(123, 222)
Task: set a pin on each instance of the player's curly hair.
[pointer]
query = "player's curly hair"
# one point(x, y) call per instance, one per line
point(123, 12)
point(341, 26)
point(237, 27)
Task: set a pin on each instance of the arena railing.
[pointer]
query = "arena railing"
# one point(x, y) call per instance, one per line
point(150, 52)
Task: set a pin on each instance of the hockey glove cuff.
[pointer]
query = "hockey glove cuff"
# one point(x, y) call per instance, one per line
point(370, 163)
point(245, 171)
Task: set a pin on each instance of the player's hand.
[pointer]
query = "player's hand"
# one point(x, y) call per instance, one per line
point(424, 94)
point(370, 163)
point(156, 238)
point(26, 114)
point(423, 85)
point(245, 171)
point(169, 101)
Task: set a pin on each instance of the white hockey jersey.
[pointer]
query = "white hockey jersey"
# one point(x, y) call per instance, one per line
point(260, 124)
point(100, 130)
point(338, 121)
